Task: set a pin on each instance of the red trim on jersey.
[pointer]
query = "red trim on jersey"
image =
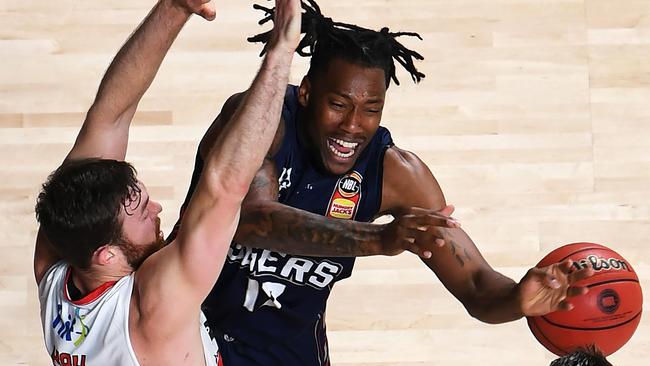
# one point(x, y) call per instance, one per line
point(91, 296)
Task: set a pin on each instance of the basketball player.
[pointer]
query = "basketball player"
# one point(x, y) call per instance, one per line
point(582, 357)
point(332, 169)
point(110, 294)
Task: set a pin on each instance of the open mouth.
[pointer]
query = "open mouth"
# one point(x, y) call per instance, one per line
point(341, 148)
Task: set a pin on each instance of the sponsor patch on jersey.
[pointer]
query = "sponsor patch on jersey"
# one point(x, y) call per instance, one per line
point(346, 196)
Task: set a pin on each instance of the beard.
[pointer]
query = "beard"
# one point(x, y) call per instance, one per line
point(137, 254)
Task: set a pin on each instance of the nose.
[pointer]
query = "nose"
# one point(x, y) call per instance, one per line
point(351, 123)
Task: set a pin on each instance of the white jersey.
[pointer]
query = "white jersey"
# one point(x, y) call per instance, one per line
point(95, 329)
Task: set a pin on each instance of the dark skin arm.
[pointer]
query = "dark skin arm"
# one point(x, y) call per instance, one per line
point(486, 294)
point(266, 223)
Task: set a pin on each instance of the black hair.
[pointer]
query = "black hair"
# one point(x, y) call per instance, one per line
point(79, 205)
point(325, 40)
point(589, 356)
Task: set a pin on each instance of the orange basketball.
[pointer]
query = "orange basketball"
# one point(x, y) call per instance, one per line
point(606, 317)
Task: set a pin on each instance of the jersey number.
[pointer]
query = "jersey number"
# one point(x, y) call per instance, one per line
point(272, 290)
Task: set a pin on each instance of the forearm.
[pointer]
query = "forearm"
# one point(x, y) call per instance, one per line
point(247, 137)
point(488, 295)
point(495, 298)
point(272, 225)
point(132, 70)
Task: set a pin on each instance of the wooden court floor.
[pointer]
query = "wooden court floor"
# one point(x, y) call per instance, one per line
point(534, 116)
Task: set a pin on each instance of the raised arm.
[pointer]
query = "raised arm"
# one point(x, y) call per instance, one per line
point(486, 294)
point(105, 131)
point(173, 282)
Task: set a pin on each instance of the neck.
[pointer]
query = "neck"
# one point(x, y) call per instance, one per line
point(90, 279)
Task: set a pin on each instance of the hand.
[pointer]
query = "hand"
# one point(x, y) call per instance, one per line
point(417, 230)
point(203, 8)
point(545, 290)
point(286, 25)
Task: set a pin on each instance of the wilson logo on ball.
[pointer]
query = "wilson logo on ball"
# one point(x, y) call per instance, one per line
point(601, 264)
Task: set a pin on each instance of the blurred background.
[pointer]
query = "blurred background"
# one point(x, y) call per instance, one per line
point(534, 117)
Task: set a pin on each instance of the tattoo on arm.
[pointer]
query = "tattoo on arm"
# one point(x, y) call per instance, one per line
point(461, 256)
point(285, 229)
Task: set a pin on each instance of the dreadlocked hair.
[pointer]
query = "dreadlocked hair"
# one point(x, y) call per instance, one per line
point(589, 356)
point(325, 39)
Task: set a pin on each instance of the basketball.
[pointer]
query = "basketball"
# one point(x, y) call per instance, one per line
point(606, 316)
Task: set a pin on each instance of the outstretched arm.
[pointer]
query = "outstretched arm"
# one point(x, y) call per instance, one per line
point(268, 224)
point(105, 131)
point(486, 294)
point(188, 267)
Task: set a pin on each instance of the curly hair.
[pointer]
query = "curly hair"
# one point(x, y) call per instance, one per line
point(79, 205)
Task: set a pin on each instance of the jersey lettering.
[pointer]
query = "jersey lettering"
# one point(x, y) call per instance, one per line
point(66, 359)
point(297, 270)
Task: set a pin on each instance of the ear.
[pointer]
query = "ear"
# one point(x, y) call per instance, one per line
point(105, 255)
point(303, 92)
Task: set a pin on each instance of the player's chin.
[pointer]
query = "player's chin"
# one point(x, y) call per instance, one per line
point(337, 165)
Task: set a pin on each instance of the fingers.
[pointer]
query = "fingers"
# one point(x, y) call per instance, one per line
point(207, 12)
point(420, 229)
point(580, 275)
point(447, 211)
point(421, 243)
point(577, 291)
point(565, 306)
point(551, 281)
point(203, 8)
point(424, 222)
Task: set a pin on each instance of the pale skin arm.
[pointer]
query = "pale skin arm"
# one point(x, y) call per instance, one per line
point(174, 281)
point(105, 131)
point(486, 294)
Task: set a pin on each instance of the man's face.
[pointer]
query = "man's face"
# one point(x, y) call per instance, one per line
point(140, 227)
point(344, 108)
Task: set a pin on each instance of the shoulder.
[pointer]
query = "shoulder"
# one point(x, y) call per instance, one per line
point(402, 166)
point(408, 182)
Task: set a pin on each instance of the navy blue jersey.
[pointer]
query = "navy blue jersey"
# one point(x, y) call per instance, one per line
point(267, 308)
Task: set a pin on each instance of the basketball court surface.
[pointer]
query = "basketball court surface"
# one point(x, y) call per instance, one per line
point(534, 117)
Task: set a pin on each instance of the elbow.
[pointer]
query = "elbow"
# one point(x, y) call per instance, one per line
point(477, 301)
point(474, 308)
point(480, 313)
point(255, 221)
point(223, 184)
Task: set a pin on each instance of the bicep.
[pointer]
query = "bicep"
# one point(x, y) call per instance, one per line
point(410, 183)
point(103, 138)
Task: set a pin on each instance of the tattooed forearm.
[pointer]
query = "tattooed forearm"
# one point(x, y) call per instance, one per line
point(281, 228)
point(461, 254)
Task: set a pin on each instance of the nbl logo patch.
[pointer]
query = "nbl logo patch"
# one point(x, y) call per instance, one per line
point(346, 196)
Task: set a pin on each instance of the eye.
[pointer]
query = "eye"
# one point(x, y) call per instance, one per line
point(337, 105)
